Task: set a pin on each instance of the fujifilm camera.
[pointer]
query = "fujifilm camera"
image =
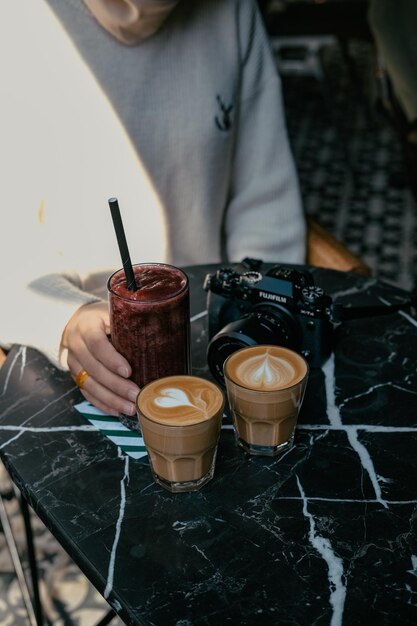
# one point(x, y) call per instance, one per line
point(281, 307)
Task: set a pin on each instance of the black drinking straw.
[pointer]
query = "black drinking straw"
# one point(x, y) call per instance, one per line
point(121, 240)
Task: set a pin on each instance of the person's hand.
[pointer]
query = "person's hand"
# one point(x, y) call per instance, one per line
point(86, 339)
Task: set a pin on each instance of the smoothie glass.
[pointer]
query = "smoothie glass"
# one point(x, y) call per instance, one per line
point(150, 326)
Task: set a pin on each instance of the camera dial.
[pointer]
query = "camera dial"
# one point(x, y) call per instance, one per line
point(250, 278)
point(227, 278)
point(312, 295)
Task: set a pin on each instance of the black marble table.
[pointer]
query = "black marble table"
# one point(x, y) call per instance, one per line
point(325, 535)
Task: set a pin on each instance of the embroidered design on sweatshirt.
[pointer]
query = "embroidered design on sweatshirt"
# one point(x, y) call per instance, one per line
point(224, 119)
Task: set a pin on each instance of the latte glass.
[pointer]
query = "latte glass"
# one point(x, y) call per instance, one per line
point(180, 419)
point(265, 388)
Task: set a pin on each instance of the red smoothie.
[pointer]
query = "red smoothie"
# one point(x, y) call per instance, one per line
point(150, 327)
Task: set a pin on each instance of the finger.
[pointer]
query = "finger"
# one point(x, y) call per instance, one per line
point(102, 397)
point(109, 410)
point(88, 329)
point(98, 344)
point(124, 390)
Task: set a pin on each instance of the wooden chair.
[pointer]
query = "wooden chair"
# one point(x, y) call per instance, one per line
point(323, 250)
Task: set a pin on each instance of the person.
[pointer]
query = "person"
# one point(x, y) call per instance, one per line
point(175, 107)
point(393, 25)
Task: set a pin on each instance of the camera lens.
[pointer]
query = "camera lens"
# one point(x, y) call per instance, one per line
point(262, 324)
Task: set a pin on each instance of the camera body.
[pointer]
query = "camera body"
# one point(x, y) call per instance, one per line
point(282, 306)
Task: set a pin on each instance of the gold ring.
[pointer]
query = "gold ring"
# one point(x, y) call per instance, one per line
point(80, 378)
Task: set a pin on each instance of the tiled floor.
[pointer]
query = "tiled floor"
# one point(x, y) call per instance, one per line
point(68, 598)
point(348, 167)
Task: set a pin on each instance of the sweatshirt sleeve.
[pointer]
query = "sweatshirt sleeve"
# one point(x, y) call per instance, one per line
point(35, 315)
point(265, 216)
point(63, 151)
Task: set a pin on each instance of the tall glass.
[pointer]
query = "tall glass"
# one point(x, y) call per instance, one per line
point(150, 327)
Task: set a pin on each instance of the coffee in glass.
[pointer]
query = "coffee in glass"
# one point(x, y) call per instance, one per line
point(265, 388)
point(180, 419)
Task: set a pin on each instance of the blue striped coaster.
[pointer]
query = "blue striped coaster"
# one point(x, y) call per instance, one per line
point(129, 441)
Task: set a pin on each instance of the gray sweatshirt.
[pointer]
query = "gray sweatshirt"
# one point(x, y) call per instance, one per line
point(187, 129)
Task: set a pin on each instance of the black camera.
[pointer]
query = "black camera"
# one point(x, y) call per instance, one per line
point(281, 307)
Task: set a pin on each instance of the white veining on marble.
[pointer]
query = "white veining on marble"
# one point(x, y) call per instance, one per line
point(184, 526)
point(12, 364)
point(408, 318)
point(213, 585)
point(367, 464)
point(334, 563)
point(347, 500)
point(49, 429)
point(198, 316)
point(6, 443)
point(124, 480)
point(402, 313)
point(413, 571)
point(23, 363)
point(180, 526)
point(413, 594)
point(200, 551)
point(13, 406)
point(38, 413)
point(373, 388)
point(333, 413)
point(369, 428)
point(115, 605)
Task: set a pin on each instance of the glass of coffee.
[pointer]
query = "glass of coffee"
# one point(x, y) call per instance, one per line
point(180, 419)
point(150, 326)
point(265, 388)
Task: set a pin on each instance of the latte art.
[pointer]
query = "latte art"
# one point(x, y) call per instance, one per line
point(180, 400)
point(174, 397)
point(265, 368)
point(265, 371)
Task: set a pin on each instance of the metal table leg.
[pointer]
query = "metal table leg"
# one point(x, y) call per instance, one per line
point(37, 606)
point(14, 554)
point(33, 604)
